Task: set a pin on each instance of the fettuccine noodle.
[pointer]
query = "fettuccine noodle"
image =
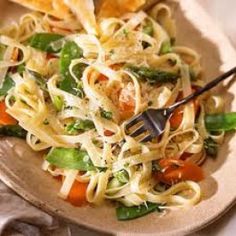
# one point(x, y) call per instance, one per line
point(109, 86)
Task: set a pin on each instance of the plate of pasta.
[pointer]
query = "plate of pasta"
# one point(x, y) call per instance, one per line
point(73, 73)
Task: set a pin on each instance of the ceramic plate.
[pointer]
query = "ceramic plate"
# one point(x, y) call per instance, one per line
point(20, 168)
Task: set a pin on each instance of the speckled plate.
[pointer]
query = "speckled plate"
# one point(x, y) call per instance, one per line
point(20, 167)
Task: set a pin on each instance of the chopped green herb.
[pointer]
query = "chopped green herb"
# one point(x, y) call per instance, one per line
point(112, 51)
point(46, 122)
point(58, 102)
point(125, 32)
point(13, 130)
point(165, 47)
point(211, 147)
point(106, 114)
point(126, 165)
point(148, 28)
point(122, 176)
point(129, 213)
point(70, 158)
point(80, 125)
point(150, 103)
point(8, 83)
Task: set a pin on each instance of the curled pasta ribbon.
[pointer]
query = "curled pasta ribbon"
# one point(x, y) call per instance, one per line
point(162, 13)
point(97, 187)
point(11, 43)
point(169, 197)
point(105, 76)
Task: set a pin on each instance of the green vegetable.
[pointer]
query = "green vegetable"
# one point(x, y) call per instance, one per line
point(40, 81)
point(125, 32)
point(106, 114)
point(46, 122)
point(70, 158)
point(69, 85)
point(153, 75)
point(156, 166)
point(80, 125)
point(2, 51)
point(211, 147)
point(122, 176)
point(221, 122)
point(58, 103)
point(69, 52)
point(21, 68)
point(129, 213)
point(12, 130)
point(114, 183)
point(8, 83)
point(148, 28)
point(165, 47)
point(46, 42)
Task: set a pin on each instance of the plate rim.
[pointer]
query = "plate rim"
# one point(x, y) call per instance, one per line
point(7, 176)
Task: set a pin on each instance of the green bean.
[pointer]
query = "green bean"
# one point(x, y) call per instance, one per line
point(151, 75)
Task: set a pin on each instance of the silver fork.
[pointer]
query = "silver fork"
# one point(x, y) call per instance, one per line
point(152, 122)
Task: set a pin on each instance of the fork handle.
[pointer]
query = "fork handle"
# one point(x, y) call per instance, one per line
point(207, 87)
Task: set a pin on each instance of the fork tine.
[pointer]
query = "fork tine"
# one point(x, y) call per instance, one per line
point(133, 121)
point(141, 129)
point(146, 138)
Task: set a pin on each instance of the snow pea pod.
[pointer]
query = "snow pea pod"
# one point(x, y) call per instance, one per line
point(129, 213)
point(70, 158)
point(46, 42)
point(69, 52)
point(221, 122)
point(12, 130)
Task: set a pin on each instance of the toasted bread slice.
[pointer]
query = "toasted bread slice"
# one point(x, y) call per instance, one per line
point(118, 7)
point(55, 8)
